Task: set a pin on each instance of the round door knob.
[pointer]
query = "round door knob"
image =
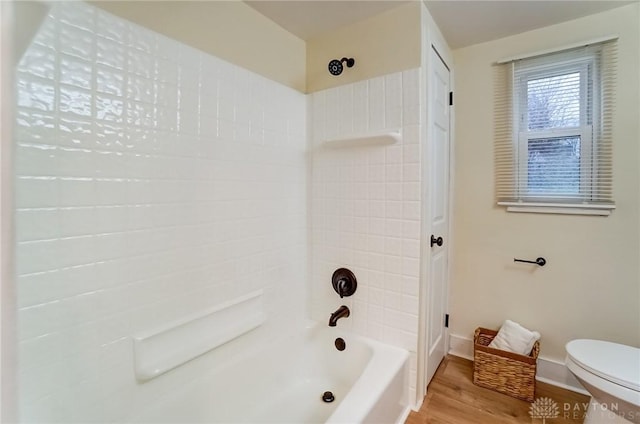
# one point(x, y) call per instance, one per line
point(435, 240)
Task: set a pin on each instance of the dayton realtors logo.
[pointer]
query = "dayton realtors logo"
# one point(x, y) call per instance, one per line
point(544, 408)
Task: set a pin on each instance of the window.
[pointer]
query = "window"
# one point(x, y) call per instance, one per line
point(553, 132)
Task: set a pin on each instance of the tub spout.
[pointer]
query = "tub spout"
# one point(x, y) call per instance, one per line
point(341, 312)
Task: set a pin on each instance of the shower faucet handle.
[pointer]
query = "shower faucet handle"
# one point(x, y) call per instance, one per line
point(344, 286)
point(344, 282)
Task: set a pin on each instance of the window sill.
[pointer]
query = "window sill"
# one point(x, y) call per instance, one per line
point(559, 208)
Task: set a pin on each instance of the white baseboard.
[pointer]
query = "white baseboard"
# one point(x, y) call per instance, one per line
point(550, 371)
point(405, 414)
point(461, 346)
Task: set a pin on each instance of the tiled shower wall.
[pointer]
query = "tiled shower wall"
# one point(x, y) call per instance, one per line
point(366, 205)
point(152, 181)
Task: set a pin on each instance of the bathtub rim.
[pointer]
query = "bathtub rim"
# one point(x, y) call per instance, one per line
point(385, 364)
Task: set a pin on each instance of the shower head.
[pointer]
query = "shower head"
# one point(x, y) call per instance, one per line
point(335, 66)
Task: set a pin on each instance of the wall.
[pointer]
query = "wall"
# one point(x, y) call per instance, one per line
point(365, 207)
point(230, 30)
point(30, 15)
point(152, 181)
point(8, 322)
point(383, 44)
point(590, 286)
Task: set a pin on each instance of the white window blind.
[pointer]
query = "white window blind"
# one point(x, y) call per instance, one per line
point(553, 117)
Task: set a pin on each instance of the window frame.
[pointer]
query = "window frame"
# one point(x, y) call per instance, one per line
point(585, 66)
point(600, 200)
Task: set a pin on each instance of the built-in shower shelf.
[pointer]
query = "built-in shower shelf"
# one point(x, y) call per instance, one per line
point(161, 349)
point(380, 138)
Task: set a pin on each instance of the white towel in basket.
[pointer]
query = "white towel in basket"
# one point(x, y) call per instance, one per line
point(515, 338)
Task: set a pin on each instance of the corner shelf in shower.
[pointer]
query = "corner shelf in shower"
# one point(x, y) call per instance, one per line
point(380, 138)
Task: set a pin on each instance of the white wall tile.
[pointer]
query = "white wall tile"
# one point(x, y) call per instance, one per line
point(35, 160)
point(393, 246)
point(37, 224)
point(411, 97)
point(376, 104)
point(411, 153)
point(36, 192)
point(36, 93)
point(372, 193)
point(394, 172)
point(345, 109)
point(332, 116)
point(360, 107)
point(393, 100)
point(152, 181)
point(75, 41)
point(39, 61)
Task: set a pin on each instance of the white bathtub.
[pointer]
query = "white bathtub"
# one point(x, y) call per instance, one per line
point(285, 382)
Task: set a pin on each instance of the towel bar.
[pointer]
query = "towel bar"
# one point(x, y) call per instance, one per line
point(538, 261)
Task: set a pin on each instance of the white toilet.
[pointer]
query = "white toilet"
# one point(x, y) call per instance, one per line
point(610, 372)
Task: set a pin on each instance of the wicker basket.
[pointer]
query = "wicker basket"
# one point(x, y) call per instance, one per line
point(505, 372)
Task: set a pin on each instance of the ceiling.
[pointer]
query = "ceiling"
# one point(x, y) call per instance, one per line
point(462, 22)
point(308, 18)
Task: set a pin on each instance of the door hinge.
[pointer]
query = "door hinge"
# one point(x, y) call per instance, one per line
point(450, 98)
point(446, 320)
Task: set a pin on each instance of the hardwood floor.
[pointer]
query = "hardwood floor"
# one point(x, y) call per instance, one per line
point(452, 398)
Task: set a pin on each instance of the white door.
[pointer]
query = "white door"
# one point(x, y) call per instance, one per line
point(438, 104)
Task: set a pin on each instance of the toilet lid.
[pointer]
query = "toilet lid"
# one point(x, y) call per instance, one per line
point(617, 363)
